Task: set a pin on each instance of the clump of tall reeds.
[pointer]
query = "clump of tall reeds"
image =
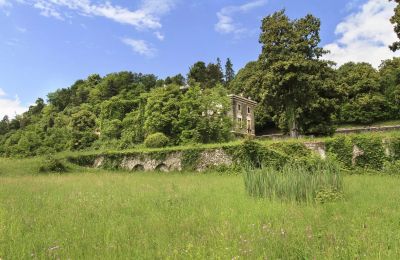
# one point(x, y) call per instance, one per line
point(296, 181)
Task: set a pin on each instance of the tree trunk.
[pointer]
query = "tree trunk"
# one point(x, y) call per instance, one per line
point(292, 122)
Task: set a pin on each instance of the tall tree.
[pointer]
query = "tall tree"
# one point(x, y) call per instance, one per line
point(395, 20)
point(363, 99)
point(229, 72)
point(290, 61)
point(390, 81)
point(198, 73)
point(214, 75)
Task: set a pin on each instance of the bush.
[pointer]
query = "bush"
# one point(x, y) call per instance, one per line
point(304, 181)
point(51, 164)
point(392, 168)
point(255, 155)
point(156, 140)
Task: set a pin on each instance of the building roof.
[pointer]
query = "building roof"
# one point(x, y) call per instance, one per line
point(243, 99)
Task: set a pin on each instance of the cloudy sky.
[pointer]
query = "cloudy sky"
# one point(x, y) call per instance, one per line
point(48, 44)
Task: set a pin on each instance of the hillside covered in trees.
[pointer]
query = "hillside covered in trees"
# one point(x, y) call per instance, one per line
point(297, 90)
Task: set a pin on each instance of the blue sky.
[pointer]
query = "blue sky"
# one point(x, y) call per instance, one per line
point(48, 44)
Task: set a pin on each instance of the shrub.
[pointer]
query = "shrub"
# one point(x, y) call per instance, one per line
point(156, 140)
point(392, 168)
point(255, 155)
point(341, 148)
point(305, 181)
point(373, 153)
point(51, 164)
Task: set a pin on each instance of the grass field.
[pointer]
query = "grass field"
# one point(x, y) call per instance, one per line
point(107, 215)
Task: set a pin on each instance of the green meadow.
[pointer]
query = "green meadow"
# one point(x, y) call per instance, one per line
point(98, 214)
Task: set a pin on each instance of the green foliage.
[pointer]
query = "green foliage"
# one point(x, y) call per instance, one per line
point(52, 164)
point(161, 111)
point(390, 82)
point(203, 116)
point(362, 94)
point(341, 148)
point(395, 20)
point(328, 195)
point(295, 181)
point(190, 158)
point(229, 72)
point(292, 149)
point(111, 129)
point(392, 168)
point(373, 153)
point(254, 155)
point(206, 76)
point(156, 140)
point(291, 65)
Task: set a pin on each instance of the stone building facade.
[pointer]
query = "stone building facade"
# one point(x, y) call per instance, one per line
point(242, 112)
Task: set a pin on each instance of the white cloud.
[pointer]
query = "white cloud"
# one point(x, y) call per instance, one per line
point(147, 16)
point(226, 23)
point(159, 35)
point(140, 46)
point(4, 3)
point(364, 36)
point(5, 6)
point(10, 106)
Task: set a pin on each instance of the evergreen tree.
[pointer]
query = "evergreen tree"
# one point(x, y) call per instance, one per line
point(229, 72)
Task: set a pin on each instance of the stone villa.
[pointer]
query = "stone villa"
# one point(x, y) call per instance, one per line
point(242, 112)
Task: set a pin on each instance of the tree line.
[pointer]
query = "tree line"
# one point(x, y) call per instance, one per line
point(298, 91)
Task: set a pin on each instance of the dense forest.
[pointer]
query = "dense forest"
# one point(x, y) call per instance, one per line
point(297, 90)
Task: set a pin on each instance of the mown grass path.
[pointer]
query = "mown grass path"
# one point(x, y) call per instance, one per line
point(100, 215)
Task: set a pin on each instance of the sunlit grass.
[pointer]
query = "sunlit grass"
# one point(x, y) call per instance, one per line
point(109, 215)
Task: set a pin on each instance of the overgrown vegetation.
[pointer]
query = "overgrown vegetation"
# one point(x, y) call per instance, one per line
point(156, 140)
point(51, 164)
point(301, 181)
point(94, 213)
point(296, 89)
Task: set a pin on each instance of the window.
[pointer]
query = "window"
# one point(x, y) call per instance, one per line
point(249, 130)
point(239, 122)
point(248, 110)
point(239, 108)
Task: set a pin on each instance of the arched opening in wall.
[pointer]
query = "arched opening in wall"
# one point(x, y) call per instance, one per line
point(162, 167)
point(138, 168)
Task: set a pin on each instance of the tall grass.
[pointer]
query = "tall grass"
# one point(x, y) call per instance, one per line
point(296, 181)
point(97, 214)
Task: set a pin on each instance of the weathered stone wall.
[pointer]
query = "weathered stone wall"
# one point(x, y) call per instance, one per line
point(213, 158)
point(172, 162)
point(358, 151)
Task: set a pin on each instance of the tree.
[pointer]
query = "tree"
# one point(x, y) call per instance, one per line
point(203, 115)
point(207, 76)
point(214, 75)
point(4, 125)
point(198, 73)
point(389, 72)
point(290, 61)
point(60, 99)
point(177, 80)
point(395, 20)
point(83, 125)
point(161, 111)
point(363, 100)
point(229, 72)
